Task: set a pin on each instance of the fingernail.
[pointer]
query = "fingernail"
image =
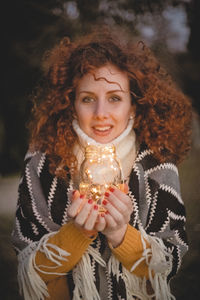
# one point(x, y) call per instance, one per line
point(90, 201)
point(96, 207)
point(107, 194)
point(106, 212)
point(82, 196)
point(104, 202)
point(111, 189)
point(102, 215)
point(73, 192)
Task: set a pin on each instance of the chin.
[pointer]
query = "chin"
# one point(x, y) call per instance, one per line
point(103, 140)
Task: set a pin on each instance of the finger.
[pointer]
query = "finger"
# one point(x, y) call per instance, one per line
point(92, 218)
point(110, 222)
point(116, 202)
point(101, 223)
point(75, 206)
point(75, 195)
point(119, 195)
point(84, 213)
point(116, 215)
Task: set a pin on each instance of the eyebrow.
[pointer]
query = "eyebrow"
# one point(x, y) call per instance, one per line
point(109, 92)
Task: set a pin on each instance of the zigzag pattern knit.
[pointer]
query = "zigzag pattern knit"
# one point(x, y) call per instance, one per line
point(158, 209)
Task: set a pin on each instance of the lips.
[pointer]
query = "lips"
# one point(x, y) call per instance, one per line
point(102, 129)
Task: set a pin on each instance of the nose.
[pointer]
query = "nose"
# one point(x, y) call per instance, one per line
point(101, 110)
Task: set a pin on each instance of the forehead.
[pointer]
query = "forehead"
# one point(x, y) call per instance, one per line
point(107, 76)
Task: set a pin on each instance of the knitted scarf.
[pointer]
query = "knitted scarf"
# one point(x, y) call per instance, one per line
point(158, 214)
point(125, 145)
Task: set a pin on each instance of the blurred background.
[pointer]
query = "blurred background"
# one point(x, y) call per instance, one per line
point(29, 28)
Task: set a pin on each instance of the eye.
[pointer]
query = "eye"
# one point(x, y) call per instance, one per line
point(114, 98)
point(88, 99)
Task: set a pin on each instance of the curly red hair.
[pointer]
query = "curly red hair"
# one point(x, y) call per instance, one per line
point(163, 112)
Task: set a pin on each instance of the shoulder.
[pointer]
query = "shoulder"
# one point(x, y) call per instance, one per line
point(153, 170)
point(156, 185)
point(36, 163)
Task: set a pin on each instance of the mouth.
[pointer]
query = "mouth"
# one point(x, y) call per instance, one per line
point(102, 130)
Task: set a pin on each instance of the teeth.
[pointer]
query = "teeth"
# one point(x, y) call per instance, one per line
point(102, 128)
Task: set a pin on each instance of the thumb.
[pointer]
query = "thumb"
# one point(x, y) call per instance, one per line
point(75, 195)
point(124, 187)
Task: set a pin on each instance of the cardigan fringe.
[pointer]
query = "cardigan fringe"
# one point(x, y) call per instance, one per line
point(31, 285)
point(159, 263)
point(84, 277)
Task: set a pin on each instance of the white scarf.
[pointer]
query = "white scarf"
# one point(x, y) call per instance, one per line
point(125, 145)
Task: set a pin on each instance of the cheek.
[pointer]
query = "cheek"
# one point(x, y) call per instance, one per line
point(122, 119)
point(123, 114)
point(83, 116)
point(79, 110)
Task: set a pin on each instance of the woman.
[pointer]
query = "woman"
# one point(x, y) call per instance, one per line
point(101, 91)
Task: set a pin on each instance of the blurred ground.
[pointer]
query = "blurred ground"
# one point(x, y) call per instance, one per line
point(185, 285)
point(8, 194)
point(8, 263)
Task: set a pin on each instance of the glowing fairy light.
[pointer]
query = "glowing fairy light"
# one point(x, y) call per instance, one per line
point(99, 170)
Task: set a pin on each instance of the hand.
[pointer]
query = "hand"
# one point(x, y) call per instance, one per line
point(85, 214)
point(119, 209)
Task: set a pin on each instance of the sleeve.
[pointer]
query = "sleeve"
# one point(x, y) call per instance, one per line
point(130, 251)
point(70, 239)
point(153, 248)
point(45, 250)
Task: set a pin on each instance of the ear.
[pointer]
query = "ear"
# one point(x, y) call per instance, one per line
point(74, 116)
point(132, 112)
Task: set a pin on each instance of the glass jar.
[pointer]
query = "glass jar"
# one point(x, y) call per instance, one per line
point(99, 170)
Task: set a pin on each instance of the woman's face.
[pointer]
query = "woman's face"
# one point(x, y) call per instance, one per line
point(103, 103)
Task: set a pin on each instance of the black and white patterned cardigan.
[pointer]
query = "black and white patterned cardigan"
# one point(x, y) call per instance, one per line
point(159, 214)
